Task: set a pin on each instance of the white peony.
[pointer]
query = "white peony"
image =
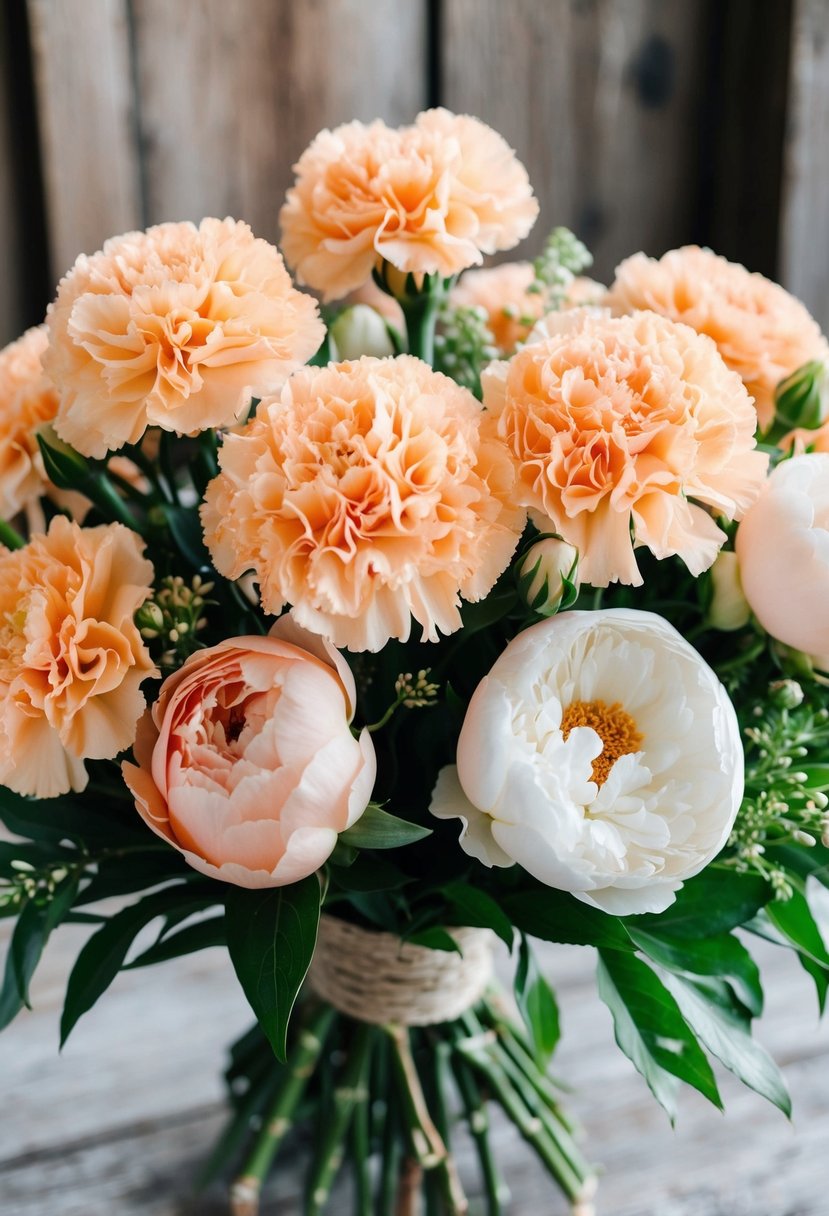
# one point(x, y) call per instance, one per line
point(783, 548)
point(603, 755)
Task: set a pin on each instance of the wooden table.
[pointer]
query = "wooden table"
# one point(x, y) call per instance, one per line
point(117, 1125)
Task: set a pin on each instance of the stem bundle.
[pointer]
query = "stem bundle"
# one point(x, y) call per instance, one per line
point(390, 1096)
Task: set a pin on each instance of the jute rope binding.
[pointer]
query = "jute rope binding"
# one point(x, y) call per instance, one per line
point(376, 977)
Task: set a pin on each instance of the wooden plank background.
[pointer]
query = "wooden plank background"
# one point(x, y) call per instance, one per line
point(644, 123)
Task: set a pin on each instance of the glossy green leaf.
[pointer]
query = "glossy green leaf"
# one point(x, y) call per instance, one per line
point(794, 920)
point(200, 936)
point(377, 829)
point(31, 933)
point(271, 937)
point(557, 916)
point(722, 1025)
point(537, 1003)
point(711, 903)
point(723, 955)
point(651, 1030)
point(103, 955)
point(435, 938)
point(475, 907)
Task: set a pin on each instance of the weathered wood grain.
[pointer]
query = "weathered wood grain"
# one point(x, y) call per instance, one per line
point(230, 94)
point(120, 1122)
point(804, 228)
point(85, 97)
point(10, 302)
point(600, 99)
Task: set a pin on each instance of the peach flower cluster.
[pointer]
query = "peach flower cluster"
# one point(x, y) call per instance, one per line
point(511, 307)
point(246, 763)
point(363, 496)
point(71, 658)
point(175, 327)
point(27, 398)
point(762, 332)
point(429, 198)
point(614, 426)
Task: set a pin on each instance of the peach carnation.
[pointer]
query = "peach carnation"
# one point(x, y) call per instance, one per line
point(27, 398)
point(613, 425)
point(763, 333)
point(429, 198)
point(363, 496)
point(511, 308)
point(175, 327)
point(71, 657)
point(247, 764)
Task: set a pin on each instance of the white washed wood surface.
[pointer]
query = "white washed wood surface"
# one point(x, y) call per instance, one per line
point(119, 1123)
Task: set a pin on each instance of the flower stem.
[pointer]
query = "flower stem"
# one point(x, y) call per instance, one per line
point(244, 1196)
point(360, 1154)
point(421, 313)
point(497, 1192)
point(10, 537)
point(426, 1141)
point(349, 1093)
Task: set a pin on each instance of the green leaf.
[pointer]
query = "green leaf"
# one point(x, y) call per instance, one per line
point(793, 918)
point(31, 933)
point(377, 829)
point(271, 936)
point(103, 956)
point(651, 1030)
point(537, 1003)
point(65, 467)
point(722, 1025)
point(722, 955)
point(557, 916)
point(103, 822)
point(708, 905)
point(434, 938)
point(200, 936)
point(476, 908)
point(186, 530)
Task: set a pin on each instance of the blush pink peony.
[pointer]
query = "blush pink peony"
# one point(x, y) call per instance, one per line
point(763, 333)
point(618, 429)
point(27, 399)
point(430, 198)
point(175, 327)
point(71, 658)
point(783, 551)
point(247, 764)
point(364, 496)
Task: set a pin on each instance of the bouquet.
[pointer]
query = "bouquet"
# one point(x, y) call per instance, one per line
point(353, 636)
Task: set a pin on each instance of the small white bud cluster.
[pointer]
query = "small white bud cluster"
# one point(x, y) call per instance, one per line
point(174, 615)
point(416, 692)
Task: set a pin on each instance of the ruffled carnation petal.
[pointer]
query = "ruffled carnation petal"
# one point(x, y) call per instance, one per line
point(363, 497)
point(176, 327)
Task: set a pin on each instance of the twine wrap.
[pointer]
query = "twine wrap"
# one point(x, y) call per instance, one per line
point(377, 977)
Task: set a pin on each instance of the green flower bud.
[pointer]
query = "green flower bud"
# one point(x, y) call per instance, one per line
point(149, 616)
point(548, 575)
point(360, 330)
point(729, 608)
point(802, 399)
point(787, 694)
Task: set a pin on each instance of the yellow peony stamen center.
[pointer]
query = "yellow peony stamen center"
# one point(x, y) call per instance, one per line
point(616, 729)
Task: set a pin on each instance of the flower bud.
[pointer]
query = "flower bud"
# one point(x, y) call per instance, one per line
point(548, 575)
point(729, 608)
point(360, 330)
point(149, 616)
point(786, 694)
point(802, 399)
